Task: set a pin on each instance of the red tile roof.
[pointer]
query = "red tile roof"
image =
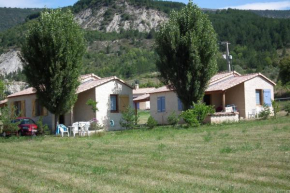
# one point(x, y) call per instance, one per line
point(142, 97)
point(3, 101)
point(27, 91)
point(143, 90)
point(223, 81)
point(81, 88)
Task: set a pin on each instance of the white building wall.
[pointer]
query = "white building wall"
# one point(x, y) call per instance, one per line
point(49, 119)
point(103, 92)
point(171, 104)
point(82, 111)
point(250, 93)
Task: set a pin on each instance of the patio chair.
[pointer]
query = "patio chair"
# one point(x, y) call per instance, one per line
point(75, 128)
point(252, 114)
point(84, 128)
point(63, 129)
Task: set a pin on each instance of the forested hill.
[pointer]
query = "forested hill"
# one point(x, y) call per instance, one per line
point(273, 13)
point(10, 17)
point(257, 43)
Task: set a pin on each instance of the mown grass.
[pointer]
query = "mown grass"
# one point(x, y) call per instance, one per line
point(251, 156)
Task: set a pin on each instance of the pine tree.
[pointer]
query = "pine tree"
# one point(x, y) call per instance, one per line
point(187, 49)
point(52, 56)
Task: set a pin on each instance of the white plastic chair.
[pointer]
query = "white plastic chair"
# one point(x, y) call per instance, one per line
point(252, 114)
point(63, 129)
point(84, 128)
point(75, 128)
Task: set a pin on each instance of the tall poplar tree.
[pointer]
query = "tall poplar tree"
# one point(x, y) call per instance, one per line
point(187, 49)
point(52, 57)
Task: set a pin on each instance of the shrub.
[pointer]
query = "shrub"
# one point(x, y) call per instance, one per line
point(287, 108)
point(276, 108)
point(41, 128)
point(196, 115)
point(129, 119)
point(95, 125)
point(173, 119)
point(151, 122)
point(265, 113)
point(8, 125)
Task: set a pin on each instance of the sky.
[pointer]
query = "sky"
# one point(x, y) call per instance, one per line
point(213, 4)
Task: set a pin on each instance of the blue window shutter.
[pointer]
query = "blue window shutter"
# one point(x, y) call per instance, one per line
point(180, 106)
point(267, 97)
point(138, 105)
point(258, 102)
point(163, 104)
point(159, 107)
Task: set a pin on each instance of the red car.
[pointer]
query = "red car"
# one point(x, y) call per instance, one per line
point(26, 126)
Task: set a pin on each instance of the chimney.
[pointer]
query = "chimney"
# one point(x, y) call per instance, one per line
point(136, 86)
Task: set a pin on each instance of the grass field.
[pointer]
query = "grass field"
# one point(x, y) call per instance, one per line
point(251, 156)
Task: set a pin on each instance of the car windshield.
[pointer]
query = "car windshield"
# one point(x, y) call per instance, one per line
point(23, 121)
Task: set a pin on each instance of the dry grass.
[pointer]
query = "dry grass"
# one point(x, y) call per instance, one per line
point(244, 157)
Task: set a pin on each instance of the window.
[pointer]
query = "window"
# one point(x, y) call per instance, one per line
point(161, 104)
point(114, 103)
point(38, 109)
point(180, 105)
point(259, 98)
point(17, 108)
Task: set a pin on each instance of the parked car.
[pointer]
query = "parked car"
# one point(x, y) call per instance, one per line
point(26, 126)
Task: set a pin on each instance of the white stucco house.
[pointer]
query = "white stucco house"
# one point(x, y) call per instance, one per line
point(234, 96)
point(141, 97)
point(112, 95)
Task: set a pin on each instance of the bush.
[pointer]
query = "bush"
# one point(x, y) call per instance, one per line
point(129, 119)
point(8, 125)
point(195, 116)
point(173, 119)
point(265, 113)
point(41, 128)
point(95, 125)
point(287, 108)
point(151, 122)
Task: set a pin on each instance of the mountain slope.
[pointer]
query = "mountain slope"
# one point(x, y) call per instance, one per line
point(10, 17)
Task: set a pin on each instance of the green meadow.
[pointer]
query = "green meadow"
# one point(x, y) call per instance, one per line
point(250, 156)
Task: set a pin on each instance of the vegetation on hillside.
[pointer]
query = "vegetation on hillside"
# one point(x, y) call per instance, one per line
point(165, 6)
point(254, 43)
point(10, 17)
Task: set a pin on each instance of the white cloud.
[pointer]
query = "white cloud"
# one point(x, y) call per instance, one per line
point(282, 5)
point(24, 3)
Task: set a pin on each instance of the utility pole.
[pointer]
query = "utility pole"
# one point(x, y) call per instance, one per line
point(228, 56)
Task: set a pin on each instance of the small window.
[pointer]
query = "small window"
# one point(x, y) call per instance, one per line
point(161, 104)
point(259, 98)
point(114, 103)
point(180, 105)
point(38, 108)
point(17, 107)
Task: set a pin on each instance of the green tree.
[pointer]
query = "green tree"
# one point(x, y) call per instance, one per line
point(285, 70)
point(52, 55)
point(187, 49)
point(2, 90)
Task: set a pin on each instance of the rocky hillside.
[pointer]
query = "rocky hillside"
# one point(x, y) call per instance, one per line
point(10, 62)
point(120, 16)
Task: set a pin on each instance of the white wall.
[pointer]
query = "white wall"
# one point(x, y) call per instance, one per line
point(49, 119)
point(250, 93)
point(103, 92)
point(171, 104)
point(82, 111)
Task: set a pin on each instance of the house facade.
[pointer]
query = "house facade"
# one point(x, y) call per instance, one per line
point(112, 95)
point(233, 96)
point(141, 97)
